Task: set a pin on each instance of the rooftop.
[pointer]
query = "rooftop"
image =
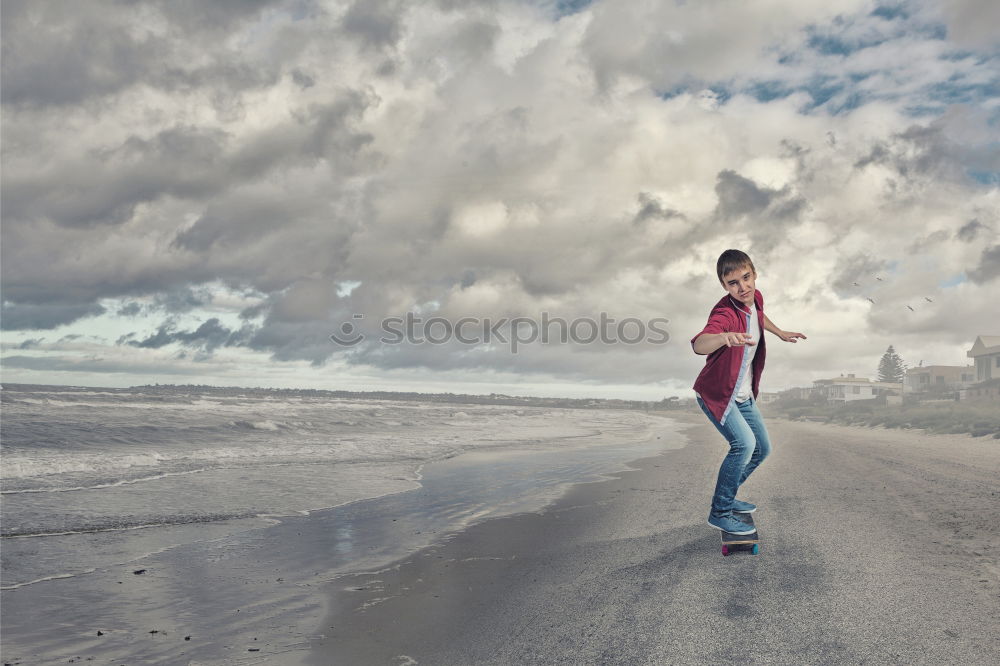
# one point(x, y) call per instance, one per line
point(985, 344)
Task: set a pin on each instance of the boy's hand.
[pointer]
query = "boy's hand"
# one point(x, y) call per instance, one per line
point(789, 336)
point(738, 339)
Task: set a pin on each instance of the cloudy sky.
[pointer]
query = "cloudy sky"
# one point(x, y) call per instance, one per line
point(204, 192)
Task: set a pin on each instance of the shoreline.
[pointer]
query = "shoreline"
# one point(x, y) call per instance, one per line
point(216, 597)
point(448, 561)
point(625, 570)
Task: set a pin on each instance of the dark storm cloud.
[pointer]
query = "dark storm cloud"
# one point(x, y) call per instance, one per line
point(970, 231)
point(879, 154)
point(181, 299)
point(185, 162)
point(376, 22)
point(129, 310)
point(468, 279)
point(105, 188)
point(254, 311)
point(65, 364)
point(651, 208)
point(989, 266)
point(739, 196)
point(208, 337)
point(296, 341)
point(194, 165)
point(766, 214)
point(28, 316)
point(929, 242)
point(918, 150)
point(218, 16)
point(303, 79)
point(952, 147)
point(61, 53)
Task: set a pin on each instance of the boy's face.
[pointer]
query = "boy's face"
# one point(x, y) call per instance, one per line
point(741, 284)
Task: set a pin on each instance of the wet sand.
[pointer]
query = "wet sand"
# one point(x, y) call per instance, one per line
point(878, 547)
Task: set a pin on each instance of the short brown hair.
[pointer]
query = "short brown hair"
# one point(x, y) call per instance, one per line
point(732, 260)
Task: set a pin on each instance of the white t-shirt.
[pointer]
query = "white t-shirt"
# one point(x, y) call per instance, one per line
point(745, 389)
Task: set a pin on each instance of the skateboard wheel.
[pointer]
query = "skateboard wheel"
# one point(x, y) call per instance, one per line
point(725, 550)
point(756, 548)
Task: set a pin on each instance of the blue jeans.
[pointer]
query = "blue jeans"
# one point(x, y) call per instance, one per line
point(748, 446)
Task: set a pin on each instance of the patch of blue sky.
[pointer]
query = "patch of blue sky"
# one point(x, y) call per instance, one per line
point(890, 12)
point(836, 45)
point(844, 103)
point(935, 31)
point(722, 94)
point(766, 91)
point(790, 58)
point(676, 91)
point(953, 281)
point(560, 8)
point(957, 90)
point(936, 98)
point(923, 110)
point(846, 36)
point(822, 89)
point(957, 55)
point(833, 95)
point(988, 178)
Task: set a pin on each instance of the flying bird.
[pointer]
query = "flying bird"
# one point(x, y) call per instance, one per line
point(928, 300)
point(879, 279)
point(856, 284)
point(911, 309)
point(871, 299)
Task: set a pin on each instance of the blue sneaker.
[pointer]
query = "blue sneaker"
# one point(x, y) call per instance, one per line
point(740, 506)
point(731, 524)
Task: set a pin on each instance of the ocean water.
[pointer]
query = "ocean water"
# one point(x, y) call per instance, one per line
point(238, 507)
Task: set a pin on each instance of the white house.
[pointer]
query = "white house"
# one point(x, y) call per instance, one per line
point(986, 352)
point(939, 378)
point(767, 396)
point(845, 389)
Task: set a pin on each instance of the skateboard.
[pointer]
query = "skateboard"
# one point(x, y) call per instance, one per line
point(734, 542)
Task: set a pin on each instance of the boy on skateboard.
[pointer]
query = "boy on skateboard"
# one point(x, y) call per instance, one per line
point(728, 385)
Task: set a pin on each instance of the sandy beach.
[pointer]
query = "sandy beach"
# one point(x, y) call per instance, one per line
point(878, 547)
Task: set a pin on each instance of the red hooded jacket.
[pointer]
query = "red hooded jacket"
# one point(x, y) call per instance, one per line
point(716, 384)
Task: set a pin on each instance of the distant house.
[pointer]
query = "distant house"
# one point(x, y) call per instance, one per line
point(939, 378)
point(988, 390)
point(845, 389)
point(766, 397)
point(986, 352)
point(797, 393)
point(887, 388)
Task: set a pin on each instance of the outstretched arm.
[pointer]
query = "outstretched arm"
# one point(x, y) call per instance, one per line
point(706, 343)
point(787, 336)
